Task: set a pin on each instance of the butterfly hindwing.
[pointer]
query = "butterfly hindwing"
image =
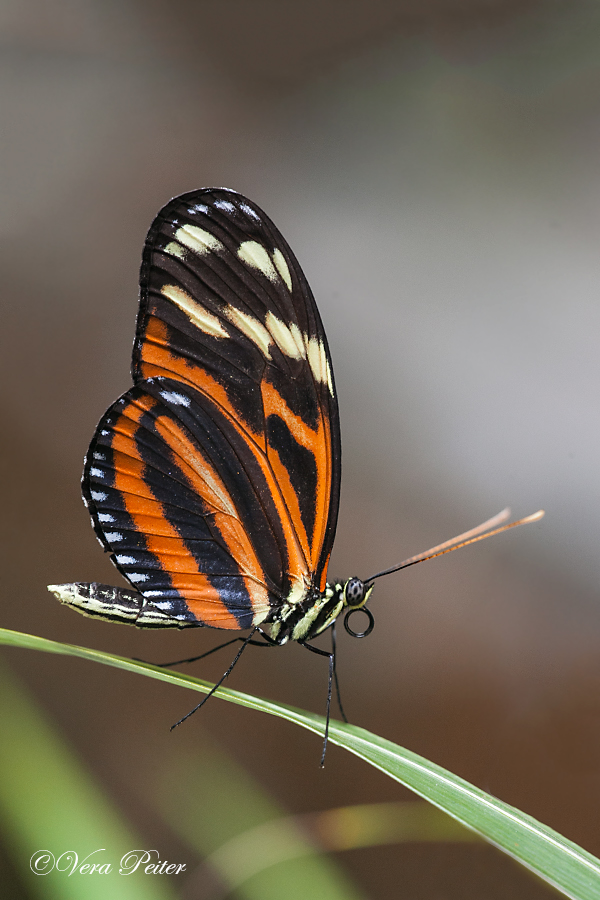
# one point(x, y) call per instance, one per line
point(219, 485)
point(172, 501)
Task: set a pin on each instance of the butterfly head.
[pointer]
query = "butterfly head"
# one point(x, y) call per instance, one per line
point(355, 594)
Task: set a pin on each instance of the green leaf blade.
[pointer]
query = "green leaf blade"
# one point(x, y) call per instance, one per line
point(560, 862)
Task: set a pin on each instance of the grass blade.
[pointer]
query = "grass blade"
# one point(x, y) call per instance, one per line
point(555, 859)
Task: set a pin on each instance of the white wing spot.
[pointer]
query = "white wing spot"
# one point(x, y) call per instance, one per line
point(282, 267)
point(289, 340)
point(198, 315)
point(105, 517)
point(226, 205)
point(251, 327)
point(177, 399)
point(137, 576)
point(126, 560)
point(98, 455)
point(249, 211)
point(198, 208)
point(255, 255)
point(160, 604)
point(98, 495)
point(198, 240)
point(104, 432)
point(97, 473)
point(113, 537)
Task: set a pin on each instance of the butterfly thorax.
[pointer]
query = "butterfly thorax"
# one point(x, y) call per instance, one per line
point(304, 620)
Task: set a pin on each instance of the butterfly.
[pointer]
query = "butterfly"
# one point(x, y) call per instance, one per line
point(214, 481)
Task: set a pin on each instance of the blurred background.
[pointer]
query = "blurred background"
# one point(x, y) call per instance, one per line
point(434, 166)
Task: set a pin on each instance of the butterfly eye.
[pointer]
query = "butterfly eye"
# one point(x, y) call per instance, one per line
point(354, 592)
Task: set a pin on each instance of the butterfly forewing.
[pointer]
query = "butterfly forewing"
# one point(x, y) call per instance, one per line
point(215, 481)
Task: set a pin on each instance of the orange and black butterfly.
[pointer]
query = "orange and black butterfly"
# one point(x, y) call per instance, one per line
point(214, 482)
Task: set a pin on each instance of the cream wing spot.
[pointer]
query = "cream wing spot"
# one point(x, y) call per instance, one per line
point(251, 327)
point(325, 368)
point(315, 354)
point(282, 267)
point(198, 240)
point(319, 364)
point(289, 340)
point(255, 255)
point(330, 380)
point(298, 339)
point(198, 315)
point(174, 249)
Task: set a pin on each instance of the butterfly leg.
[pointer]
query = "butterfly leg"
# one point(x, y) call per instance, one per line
point(335, 676)
point(191, 659)
point(331, 658)
point(245, 643)
point(268, 642)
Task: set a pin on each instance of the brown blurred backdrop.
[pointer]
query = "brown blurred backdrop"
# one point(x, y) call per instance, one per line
point(434, 166)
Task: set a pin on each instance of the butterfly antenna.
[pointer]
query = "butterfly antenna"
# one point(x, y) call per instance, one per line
point(485, 530)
